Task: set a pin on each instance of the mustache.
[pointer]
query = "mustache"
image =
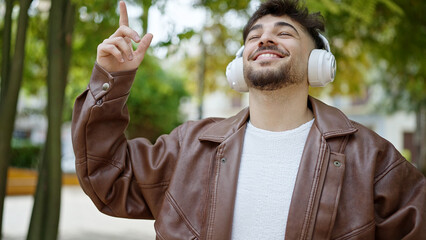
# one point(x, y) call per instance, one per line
point(270, 48)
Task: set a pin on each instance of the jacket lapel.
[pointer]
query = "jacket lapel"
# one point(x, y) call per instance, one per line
point(229, 134)
point(318, 183)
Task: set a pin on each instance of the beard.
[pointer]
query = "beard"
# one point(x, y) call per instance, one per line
point(271, 79)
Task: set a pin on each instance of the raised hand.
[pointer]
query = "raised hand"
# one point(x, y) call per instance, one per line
point(116, 53)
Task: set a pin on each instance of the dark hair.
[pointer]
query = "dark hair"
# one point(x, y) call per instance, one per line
point(313, 22)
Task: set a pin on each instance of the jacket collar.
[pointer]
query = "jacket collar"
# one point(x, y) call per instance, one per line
point(330, 121)
point(222, 129)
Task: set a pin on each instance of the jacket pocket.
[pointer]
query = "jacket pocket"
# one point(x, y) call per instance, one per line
point(330, 196)
point(170, 225)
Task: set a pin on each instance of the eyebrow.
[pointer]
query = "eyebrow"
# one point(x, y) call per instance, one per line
point(277, 24)
point(286, 24)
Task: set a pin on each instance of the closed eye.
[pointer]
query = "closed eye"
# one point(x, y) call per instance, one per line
point(253, 37)
point(284, 34)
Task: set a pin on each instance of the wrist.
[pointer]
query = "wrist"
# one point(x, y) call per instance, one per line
point(114, 73)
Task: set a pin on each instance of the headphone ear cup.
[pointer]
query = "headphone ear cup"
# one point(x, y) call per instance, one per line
point(235, 75)
point(321, 68)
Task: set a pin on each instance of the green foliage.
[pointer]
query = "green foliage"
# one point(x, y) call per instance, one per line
point(352, 29)
point(221, 7)
point(155, 96)
point(401, 57)
point(156, 89)
point(154, 100)
point(95, 21)
point(382, 36)
point(25, 155)
point(221, 37)
point(35, 71)
point(364, 35)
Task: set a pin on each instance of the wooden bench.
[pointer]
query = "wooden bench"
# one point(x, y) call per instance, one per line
point(24, 181)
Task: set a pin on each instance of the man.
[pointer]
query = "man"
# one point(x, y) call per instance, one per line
point(289, 166)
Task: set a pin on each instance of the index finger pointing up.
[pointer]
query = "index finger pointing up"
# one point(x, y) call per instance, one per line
point(124, 19)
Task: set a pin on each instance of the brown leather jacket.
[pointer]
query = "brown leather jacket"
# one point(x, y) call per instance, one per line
point(351, 184)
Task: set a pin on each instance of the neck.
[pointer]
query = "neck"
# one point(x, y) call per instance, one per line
point(281, 109)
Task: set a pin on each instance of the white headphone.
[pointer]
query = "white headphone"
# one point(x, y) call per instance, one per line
point(321, 68)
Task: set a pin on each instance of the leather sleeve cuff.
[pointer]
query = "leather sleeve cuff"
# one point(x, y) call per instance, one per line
point(110, 85)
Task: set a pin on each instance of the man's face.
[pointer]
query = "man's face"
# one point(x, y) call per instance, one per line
point(276, 53)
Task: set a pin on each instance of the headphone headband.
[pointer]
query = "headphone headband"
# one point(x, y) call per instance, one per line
point(240, 52)
point(325, 41)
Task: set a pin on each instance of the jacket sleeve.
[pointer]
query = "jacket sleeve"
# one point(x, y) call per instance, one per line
point(124, 178)
point(400, 202)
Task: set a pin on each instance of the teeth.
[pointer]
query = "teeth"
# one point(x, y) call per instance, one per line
point(268, 55)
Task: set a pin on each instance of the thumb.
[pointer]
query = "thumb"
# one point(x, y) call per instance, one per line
point(144, 44)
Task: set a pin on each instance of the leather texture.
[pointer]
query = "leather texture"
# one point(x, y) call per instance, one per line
point(351, 183)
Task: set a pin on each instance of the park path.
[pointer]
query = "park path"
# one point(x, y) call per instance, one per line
point(80, 220)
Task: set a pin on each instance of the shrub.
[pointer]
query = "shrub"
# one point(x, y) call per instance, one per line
point(25, 156)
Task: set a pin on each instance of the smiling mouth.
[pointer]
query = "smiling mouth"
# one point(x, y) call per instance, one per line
point(268, 53)
point(267, 56)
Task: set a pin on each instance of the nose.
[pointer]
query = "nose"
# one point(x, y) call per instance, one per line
point(266, 40)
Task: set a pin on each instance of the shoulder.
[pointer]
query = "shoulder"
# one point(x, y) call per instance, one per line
point(374, 152)
point(369, 139)
point(199, 125)
point(214, 129)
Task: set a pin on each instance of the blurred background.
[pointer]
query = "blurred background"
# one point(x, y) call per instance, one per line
point(48, 49)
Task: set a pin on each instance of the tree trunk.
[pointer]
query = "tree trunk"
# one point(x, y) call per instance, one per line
point(10, 100)
point(421, 139)
point(7, 33)
point(146, 5)
point(201, 78)
point(47, 202)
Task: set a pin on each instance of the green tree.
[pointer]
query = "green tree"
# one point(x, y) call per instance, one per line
point(11, 82)
point(402, 63)
point(155, 96)
point(154, 101)
point(219, 40)
point(47, 200)
point(93, 16)
point(381, 36)
point(349, 25)
point(45, 217)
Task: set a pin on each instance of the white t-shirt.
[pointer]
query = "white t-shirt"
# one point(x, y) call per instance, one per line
point(268, 170)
